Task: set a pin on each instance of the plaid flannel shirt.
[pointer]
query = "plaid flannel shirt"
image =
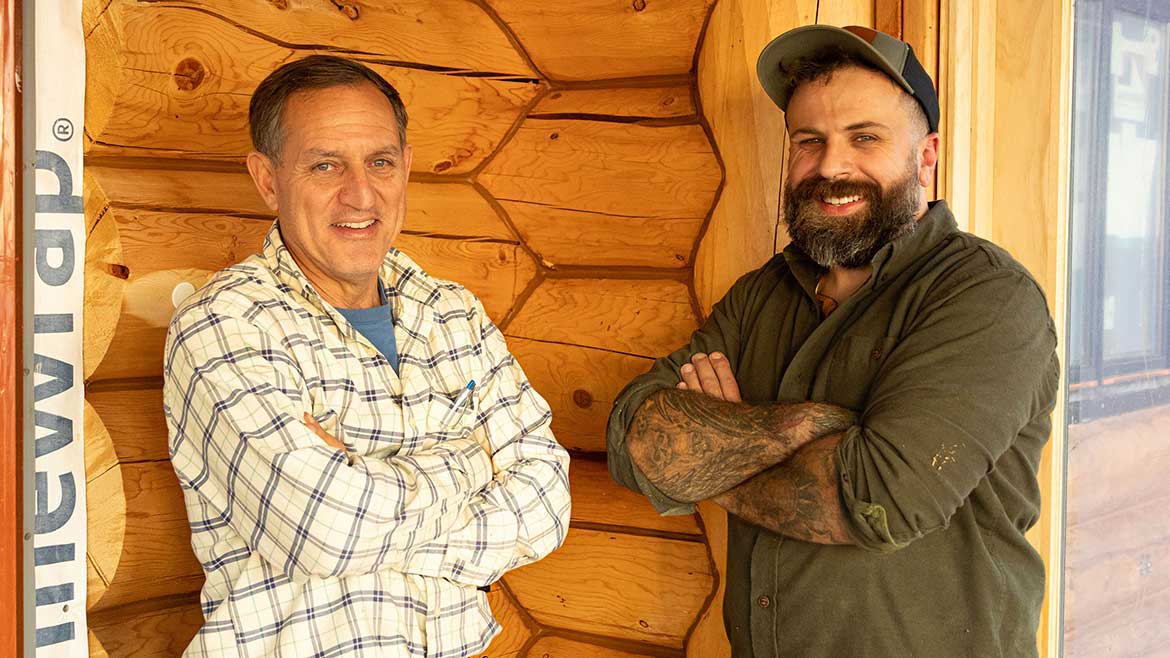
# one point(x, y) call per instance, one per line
point(307, 554)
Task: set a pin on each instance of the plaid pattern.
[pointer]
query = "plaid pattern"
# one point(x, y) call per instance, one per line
point(308, 555)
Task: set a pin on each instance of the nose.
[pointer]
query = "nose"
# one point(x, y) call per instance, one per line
point(836, 160)
point(356, 189)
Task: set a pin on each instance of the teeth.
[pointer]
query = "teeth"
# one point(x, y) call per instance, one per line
point(842, 200)
point(367, 223)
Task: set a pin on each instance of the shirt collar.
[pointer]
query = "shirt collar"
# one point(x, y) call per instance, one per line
point(890, 260)
point(399, 274)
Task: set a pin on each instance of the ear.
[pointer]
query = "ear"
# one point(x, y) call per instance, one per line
point(263, 172)
point(928, 159)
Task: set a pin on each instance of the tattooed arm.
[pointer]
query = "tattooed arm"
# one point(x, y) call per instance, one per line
point(692, 445)
point(799, 498)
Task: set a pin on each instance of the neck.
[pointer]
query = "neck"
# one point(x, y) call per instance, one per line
point(343, 294)
point(840, 283)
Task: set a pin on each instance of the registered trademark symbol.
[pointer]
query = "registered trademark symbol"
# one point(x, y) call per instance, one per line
point(63, 129)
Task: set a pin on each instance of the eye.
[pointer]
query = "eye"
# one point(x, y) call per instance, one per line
point(809, 141)
point(323, 166)
point(382, 163)
point(865, 138)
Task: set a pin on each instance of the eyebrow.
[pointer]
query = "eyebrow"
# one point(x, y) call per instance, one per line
point(864, 125)
point(860, 125)
point(392, 151)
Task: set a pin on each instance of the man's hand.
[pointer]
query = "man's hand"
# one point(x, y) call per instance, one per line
point(712, 375)
point(328, 438)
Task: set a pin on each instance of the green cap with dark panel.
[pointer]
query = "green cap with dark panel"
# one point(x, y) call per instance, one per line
point(893, 57)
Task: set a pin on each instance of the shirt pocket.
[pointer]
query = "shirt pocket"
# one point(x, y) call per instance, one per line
point(854, 366)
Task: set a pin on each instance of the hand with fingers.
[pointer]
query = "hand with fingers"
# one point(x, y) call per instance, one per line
point(710, 374)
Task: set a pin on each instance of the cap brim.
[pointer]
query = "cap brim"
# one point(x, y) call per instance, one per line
point(804, 41)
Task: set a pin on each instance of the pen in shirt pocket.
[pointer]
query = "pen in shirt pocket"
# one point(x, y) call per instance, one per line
point(460, 402)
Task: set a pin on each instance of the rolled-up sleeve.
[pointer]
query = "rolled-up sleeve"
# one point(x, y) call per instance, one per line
point(721, 332)
point(975, 369)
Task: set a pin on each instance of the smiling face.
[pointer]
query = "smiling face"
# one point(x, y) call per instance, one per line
point(858, 166)
point(338, 188)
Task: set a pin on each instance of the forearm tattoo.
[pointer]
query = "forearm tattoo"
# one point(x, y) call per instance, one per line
point(799, 498)
point(693, 446)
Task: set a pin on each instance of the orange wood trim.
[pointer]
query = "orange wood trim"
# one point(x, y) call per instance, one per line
point(11, 346)
point(888, 15)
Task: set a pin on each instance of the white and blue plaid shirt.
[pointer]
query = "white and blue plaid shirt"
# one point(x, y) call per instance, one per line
point(307, 554)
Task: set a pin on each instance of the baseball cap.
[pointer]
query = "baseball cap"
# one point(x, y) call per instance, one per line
point(892, 56)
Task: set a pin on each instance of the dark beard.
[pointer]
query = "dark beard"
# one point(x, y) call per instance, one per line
point(850, 241)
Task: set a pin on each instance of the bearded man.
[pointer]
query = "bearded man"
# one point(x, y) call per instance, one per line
point(871, 404)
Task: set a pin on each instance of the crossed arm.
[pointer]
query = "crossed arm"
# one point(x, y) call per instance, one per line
point(771, 464)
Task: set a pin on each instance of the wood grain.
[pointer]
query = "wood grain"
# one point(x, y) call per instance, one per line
point(1134, 475)
point(134, 417)
point(1117, 555)
point(496, 272)
point(625, 170)
point(709, 638)
point(138, 536)
point(638, 317)
point(845, 12)
point(599, 39)
point(671, 102)
point(598, 500)
point(432, 33)
point(162, 250)
point(184, 79)
point(1114, 562)
point(100, 455)
point(103, 285)
point(562, 236)
point(1138, 630)
point(553, 646)
point(12, 485)
point(515, 633)
point(749, 129)
point(638, 588)
point(580, 384)
point(888, 17)
point(154, 633)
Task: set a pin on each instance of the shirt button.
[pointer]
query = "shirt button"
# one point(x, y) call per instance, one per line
point(876, 353)
point(764, 601)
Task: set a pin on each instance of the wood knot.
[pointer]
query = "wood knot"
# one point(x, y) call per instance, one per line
point(441, 166)
point(189, 74)
point(120, 271)
point(639, 5)
point(279, 4)
point(582, 398)
point(555, 95)
point(554, 135)
point(351, 11)
point(668, 101)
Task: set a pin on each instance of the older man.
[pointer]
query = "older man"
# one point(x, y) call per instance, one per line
point(359, 454)
point(870, 405)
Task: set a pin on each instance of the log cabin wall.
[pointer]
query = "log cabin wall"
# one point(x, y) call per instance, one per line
point(562, 172)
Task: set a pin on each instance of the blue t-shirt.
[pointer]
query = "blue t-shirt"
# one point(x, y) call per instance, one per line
point(377, 325)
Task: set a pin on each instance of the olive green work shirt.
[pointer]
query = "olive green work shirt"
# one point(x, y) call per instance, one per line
point(947, 354)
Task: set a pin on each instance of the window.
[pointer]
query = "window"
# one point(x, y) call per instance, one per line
point(1118, 336)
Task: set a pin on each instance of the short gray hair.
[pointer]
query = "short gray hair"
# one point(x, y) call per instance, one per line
point(266, 110)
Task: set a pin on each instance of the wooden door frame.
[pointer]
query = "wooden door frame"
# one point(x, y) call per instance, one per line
point(998, 155)
point(11, 341)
